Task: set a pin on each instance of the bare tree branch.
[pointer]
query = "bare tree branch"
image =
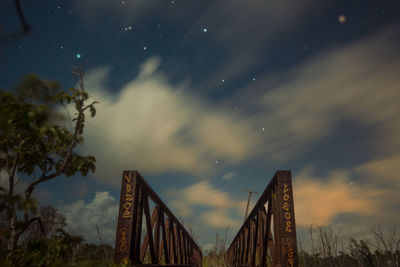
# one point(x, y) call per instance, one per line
point(101, 240)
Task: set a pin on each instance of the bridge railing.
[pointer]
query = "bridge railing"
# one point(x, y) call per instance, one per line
point(268, 235)
point(165, 242)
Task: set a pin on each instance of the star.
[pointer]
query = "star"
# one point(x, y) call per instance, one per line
point(216, 162)
point(172, 2)
point(61, 47)
point(78, 56)
point(205, 30)
point(342, 19)
point(262, 129)
point(144, 48)
point(223, 80)
point(254, 79)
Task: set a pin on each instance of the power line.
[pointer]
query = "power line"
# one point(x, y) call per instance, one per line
point(124, 150)
point(131, 143)
point(175, 165)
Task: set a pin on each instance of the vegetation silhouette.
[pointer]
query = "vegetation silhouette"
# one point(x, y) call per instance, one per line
point(33, 141)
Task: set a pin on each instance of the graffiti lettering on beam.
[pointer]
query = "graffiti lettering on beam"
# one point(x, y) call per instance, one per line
point(126, 213)
point(289, 248)
point(288, 223)
point(125, 218)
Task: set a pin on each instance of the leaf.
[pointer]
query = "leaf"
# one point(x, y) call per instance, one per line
point(92, 111)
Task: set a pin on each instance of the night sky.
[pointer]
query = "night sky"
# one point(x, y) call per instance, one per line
point(207, 99)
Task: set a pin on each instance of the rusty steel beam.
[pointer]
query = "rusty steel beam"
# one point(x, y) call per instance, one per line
point(125, 219)
point(254, 239)
point(165, 240)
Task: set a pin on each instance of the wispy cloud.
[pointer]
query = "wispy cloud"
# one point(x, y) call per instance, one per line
point(223, 209)
point(228, 176)
point(240, 30)
point(358, 83)
point(369, 190)
point(319, 199)
point(382, 174)
point(152, 126)
point(220, 219)
point(243, 30)
point(297, 109)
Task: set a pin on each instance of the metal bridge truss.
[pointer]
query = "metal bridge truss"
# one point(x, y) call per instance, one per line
point(165, 242)
point(266, 238)
point(268, 235)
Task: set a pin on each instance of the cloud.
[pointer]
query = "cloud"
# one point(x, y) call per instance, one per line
point(219, 218)
point(228, 176)
point(381, 171)
point(382, 174)
point(203, 193)
point(357, 82)
point(353, 200)
point(153, 127)
point(222, 208)
point(231, 25)
point(320, 199)
point(94, 10)
point(235, 29)
point(207, 247)
point(82, 217)
point(367, 191)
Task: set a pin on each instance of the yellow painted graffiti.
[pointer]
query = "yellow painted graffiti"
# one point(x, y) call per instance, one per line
point(126, 212)
point(124, 243)
point(288, 228)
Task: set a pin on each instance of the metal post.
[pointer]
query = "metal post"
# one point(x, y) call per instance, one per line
point(248, 202)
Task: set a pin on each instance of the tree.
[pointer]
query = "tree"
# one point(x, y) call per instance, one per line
point(31, 142)
point(51, 220)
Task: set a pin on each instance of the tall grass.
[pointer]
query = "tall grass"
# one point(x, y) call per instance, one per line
point(326, 247)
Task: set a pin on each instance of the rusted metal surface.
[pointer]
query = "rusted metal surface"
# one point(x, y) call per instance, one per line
point(165, 241)
point(268, 235)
